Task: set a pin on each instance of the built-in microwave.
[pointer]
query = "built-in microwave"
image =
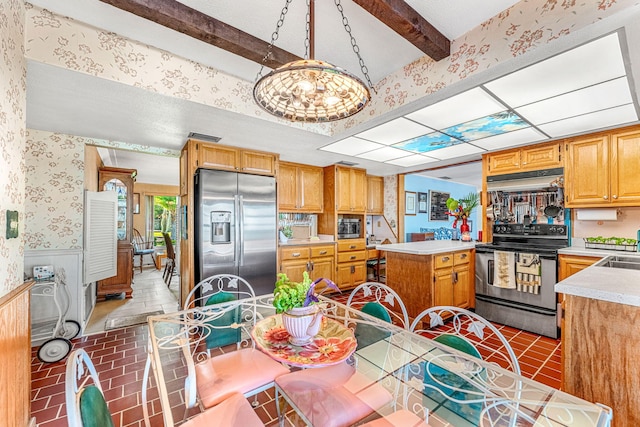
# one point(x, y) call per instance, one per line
point(349, 228)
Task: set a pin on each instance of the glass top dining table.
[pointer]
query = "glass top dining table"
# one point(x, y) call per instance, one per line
point(441, 385)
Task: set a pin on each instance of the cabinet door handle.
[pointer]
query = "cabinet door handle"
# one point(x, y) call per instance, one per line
point(352, 257)
point(445, 258)
point(295, 254)
point(463, 256)
point(353, 269)
point(615, 196)
point(312, 265)
point(323, 252)
point(455, 277)
point(605, 197)
point(352, 247)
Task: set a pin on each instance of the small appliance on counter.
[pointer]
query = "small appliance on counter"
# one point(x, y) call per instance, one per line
point(349, 228)
point(43, 272)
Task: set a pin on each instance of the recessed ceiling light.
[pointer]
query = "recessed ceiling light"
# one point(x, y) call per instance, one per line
point(589, 64)
point(351, 146)
point(586, 122)
point(495, 124)
point(467, 106)
point(394, 131)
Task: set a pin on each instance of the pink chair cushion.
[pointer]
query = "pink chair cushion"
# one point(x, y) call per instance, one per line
point(401, 418)
point(235, 411)
point(333, 396)
point(236, 372)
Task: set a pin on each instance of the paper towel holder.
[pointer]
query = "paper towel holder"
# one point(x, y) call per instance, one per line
point(598, 214)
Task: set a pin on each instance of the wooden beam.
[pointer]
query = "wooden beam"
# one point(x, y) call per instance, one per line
point(404, 20)
point(193, 23)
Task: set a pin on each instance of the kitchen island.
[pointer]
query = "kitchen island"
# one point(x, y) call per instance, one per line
point(600, 343)
point(430, 273)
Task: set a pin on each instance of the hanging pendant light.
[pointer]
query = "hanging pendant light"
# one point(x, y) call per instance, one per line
point(311, 90)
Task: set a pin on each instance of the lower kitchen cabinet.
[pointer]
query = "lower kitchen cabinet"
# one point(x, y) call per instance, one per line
point(317, 260)
point(571, 264)
point(452, 279)
point(121, 282)
point(352, 263)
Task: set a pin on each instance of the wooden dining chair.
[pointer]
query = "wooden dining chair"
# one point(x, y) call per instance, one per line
point(142, 248)
point(86, 405)
point(170, 266)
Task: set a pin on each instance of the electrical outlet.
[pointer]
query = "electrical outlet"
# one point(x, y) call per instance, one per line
point(379, 223)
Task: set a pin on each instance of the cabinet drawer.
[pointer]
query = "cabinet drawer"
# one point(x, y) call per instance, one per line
point(299, 252)
point(461, 258)
point(351, 245)
point(351, 256)
point(322, 251)
point(443, 260)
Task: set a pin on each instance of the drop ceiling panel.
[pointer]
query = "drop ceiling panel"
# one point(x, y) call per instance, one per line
point(583, 101)
point(394, 131)
point(456, 151)
point(586, 65)
point(384, 154)
point(462, 108)
point(351, 146)
point(511, 139)
point(598, 120)
point(413, 160)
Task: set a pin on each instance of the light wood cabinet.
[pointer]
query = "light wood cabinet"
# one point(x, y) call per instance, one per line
point(350, 192)
point(121, 181)
point(569, 265)
point(602, 170)
point(452, 279)
point(317, 260)
point(375, 195)
point(300, 188)
point(424, 281)
point(215, 156)
point(351, 263)
point(542, 156)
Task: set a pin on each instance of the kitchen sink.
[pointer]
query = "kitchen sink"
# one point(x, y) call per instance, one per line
point(617, 261)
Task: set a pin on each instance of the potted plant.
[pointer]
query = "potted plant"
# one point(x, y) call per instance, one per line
point(461, 209)
point(296, 302)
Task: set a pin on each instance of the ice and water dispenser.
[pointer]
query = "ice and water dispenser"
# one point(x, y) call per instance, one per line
point(220, 227)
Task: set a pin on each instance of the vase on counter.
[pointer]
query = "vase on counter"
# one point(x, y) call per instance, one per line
point(465, 231)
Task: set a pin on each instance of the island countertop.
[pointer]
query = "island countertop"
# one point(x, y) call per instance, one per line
point(428, 247)
point(618, 285)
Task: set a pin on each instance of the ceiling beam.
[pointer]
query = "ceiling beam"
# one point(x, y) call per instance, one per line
point(193, 23)
point(404, 20)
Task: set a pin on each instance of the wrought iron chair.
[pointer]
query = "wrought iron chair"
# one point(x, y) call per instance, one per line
point(142, 248)
point(454, 381)
point(83, 394)
point(218, 324)
point(170, 266)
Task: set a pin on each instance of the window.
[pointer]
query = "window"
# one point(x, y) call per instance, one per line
point(164, 218)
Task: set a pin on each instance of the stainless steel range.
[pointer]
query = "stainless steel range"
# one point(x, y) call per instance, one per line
point(516, 275)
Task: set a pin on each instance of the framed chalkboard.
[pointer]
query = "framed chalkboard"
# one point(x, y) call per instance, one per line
point(438, 206)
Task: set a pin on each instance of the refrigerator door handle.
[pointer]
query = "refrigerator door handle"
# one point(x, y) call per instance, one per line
point(241, 229)
point(236, 231)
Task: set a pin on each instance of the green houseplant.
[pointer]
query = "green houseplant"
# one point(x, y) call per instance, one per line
point(461, 208)
point(296, 302)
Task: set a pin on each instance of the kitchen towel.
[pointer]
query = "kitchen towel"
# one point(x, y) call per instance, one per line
point(528, 272)
point(504, 270)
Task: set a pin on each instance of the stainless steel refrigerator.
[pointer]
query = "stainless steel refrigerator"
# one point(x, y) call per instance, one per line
point(236, 227)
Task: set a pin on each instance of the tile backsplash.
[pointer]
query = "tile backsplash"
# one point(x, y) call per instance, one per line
point(627, 225)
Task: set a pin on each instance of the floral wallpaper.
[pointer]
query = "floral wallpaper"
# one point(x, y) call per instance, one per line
point(13, 73)
point(54, 199)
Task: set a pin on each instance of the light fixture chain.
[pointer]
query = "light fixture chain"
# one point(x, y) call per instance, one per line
point(307, 40)
point(274, 36)
point(354, 44)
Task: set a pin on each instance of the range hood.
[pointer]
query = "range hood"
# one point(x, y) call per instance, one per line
point(525, 181)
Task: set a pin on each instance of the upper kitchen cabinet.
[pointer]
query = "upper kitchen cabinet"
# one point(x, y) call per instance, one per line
point(602, 169)
point(350, 189)
point(540, 156)
point(300, 188)
point(215, 156)
point(375, 195)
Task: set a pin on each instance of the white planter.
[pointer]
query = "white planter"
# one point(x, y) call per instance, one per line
point(302, 323)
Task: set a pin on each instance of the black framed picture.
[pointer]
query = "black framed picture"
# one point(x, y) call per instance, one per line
point(438, 206)
point(423, 201)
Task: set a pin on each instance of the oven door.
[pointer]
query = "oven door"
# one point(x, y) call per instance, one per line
point(545, 298)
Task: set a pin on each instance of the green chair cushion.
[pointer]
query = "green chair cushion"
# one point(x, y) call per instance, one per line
point(458, 343)
point(369, 334)
point(221, 337)
point(93, 408)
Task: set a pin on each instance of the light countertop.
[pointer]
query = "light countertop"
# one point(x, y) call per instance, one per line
point(582, 251)
point(306, 242)
point(616, 285)
point(428, 247)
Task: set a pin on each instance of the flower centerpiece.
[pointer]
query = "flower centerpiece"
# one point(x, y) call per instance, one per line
point(461, 209)
point(301, 317)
